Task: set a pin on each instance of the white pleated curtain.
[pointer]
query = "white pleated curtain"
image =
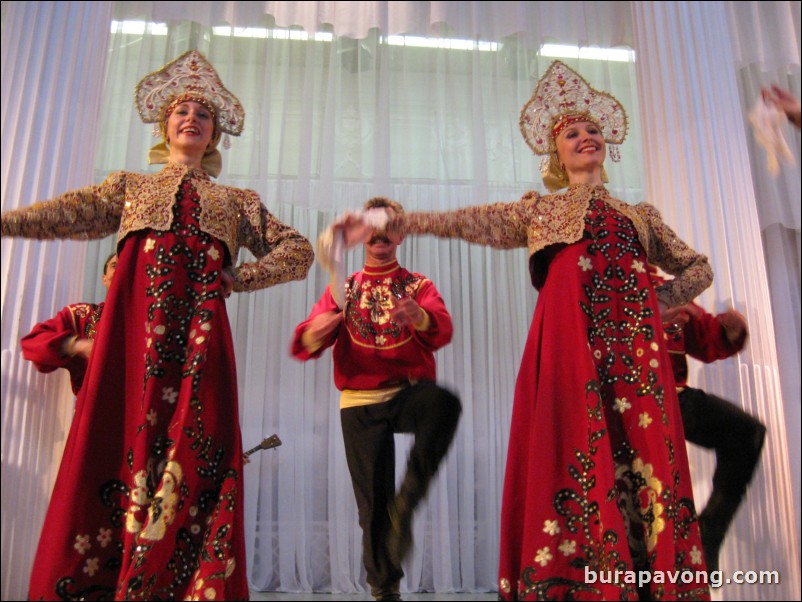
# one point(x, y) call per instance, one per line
point(337, 111)
point(52, 54)
point(689, 91)
point(766, 50)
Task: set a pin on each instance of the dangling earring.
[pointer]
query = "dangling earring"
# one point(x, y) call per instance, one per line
point(615, 153)
point(544, 166)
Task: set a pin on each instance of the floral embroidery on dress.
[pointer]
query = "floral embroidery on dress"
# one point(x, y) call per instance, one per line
point(92, 565)
point(646, 510)
point(625, 392)
point(543, 556)
point(567, 547)
point(82, 543)
point(551, 527)
point(622, 405)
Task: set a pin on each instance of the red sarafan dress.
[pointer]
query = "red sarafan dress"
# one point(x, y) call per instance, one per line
point(597, 476)
point(148, 499)
point(166, 524)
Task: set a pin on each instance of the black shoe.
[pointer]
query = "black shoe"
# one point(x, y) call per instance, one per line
point(399, 541)
point(389, 593)
point(714, 521)
point(712, 538)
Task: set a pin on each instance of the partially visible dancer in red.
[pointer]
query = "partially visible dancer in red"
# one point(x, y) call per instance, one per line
point(710, 421)
point(66, 339)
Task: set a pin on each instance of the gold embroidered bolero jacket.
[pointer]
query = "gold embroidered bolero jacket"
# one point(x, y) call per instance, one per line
point(537, 222)
point(126, 202)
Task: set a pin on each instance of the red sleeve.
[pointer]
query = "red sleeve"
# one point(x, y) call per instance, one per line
point(706, 340)
point(43, 344)
point(441, 328)
point(324, 304)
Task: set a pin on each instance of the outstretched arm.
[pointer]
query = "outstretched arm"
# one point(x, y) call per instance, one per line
point(87, 213)
point(498, 225)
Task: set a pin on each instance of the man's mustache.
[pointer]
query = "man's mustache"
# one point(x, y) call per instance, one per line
point(378, 238)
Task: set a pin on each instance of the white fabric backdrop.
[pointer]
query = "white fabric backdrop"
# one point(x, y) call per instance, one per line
point(689, 94)
point(773, 56)
point(52, 54)
point(329, 124)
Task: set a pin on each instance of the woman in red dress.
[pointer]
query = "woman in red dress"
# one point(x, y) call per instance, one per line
point(148, 500)
point(597, 500)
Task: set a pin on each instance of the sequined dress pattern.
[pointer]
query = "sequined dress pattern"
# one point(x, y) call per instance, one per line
point(167, 524)
point(597, 478)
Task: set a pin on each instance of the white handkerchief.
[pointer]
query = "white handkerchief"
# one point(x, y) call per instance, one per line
point(332, 243)
point(768, 123)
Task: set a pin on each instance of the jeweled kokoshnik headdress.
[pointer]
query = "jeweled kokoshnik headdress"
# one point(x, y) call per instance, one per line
point(190, 77)
point(562, 97)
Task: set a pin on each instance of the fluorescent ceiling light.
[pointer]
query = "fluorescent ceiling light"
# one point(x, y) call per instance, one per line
point(279, 34)
point(550, 50)
point(587, 52)
point(139, 28)
point(160, 29)
point(449, 43)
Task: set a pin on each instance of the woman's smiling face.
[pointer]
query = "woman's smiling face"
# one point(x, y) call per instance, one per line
point(190, 127)
point(581, 147)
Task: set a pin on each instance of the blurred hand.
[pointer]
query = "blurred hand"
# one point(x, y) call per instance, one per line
point(227, 280)
point(82, 348)
point(323, 325)
point(676, 316)
point(354, 229)
point(734, 324)
point(407, 312)
point(319, 328)
point(358, 227)
point(783, 100)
